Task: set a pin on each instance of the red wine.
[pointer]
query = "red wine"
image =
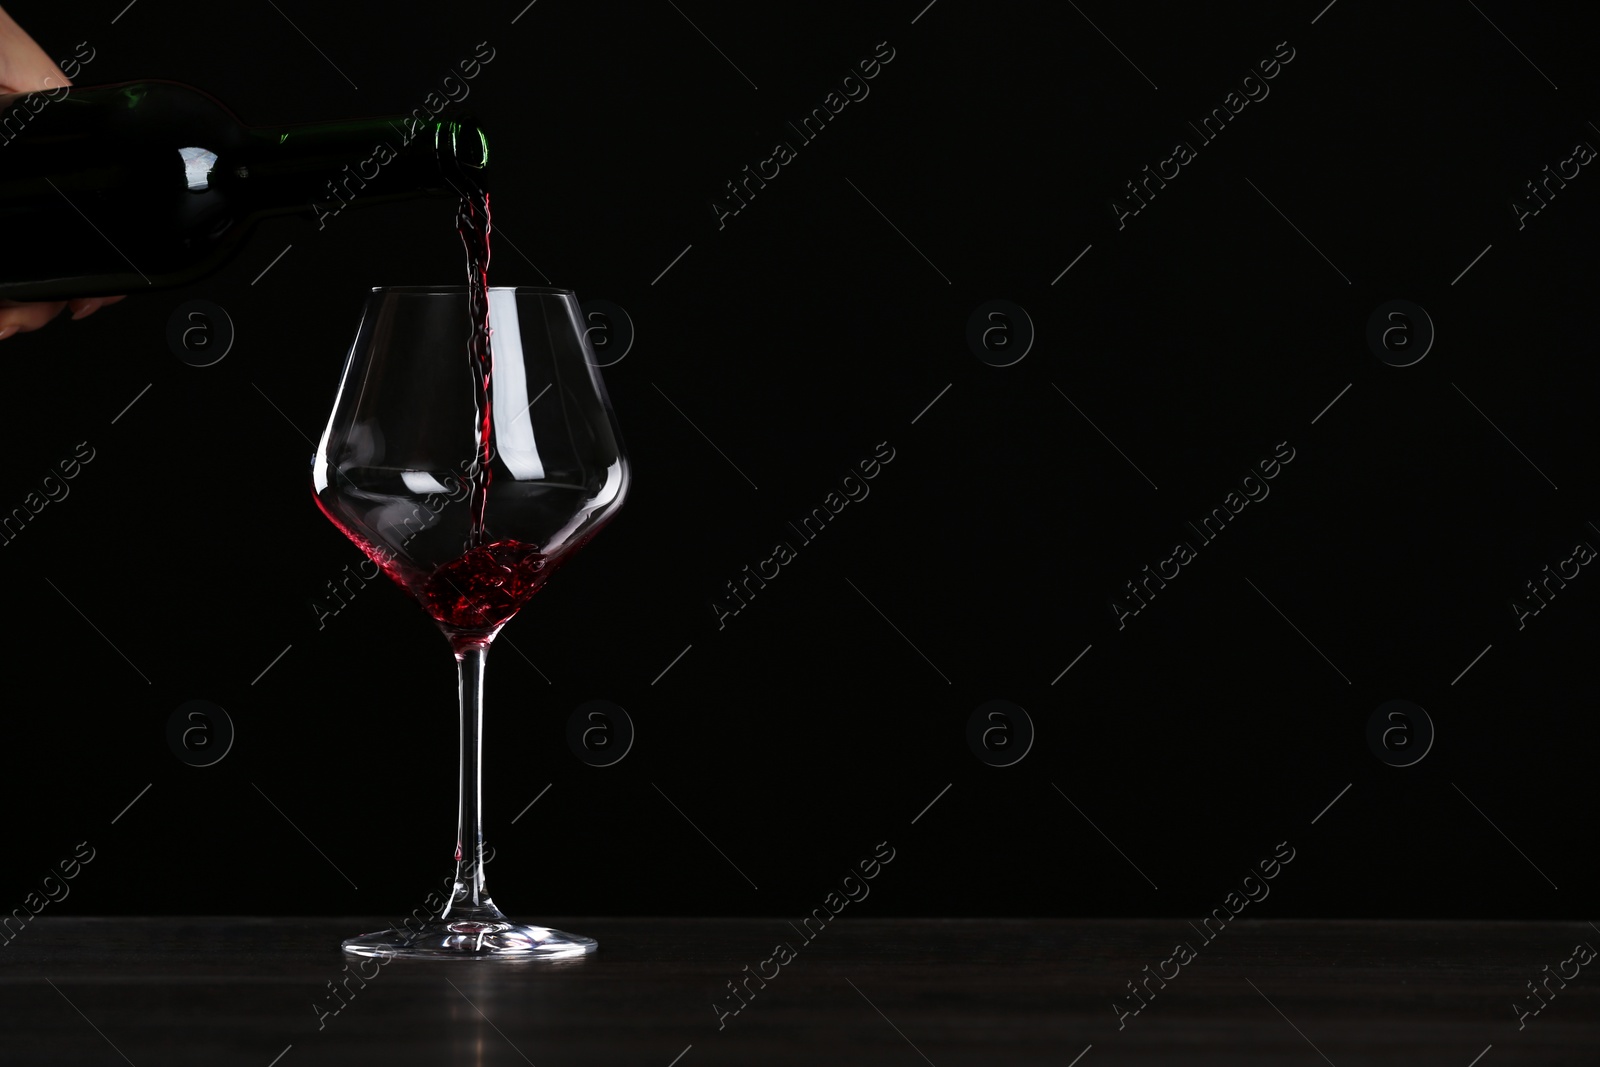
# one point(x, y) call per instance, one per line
point(117, 188)
point(480, 590)
point(484, 588)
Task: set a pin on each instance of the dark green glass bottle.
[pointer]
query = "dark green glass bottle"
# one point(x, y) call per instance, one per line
point(120, 188)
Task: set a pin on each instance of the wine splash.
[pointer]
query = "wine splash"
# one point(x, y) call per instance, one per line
point(485, 587)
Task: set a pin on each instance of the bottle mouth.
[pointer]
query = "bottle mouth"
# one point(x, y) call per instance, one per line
point(462, 150)
point(461, 290)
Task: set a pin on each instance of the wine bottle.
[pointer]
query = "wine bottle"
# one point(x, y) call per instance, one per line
point(151, 184)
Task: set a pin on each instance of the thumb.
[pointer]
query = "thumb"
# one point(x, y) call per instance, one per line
point(24, 67)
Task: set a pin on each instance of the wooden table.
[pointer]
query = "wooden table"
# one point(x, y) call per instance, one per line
point(241, 991)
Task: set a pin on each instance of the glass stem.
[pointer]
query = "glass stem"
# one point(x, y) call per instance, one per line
point(470, 901)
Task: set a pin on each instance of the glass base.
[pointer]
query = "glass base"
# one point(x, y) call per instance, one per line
point(470, 940)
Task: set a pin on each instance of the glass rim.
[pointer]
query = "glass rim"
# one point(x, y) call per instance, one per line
point(460, 290)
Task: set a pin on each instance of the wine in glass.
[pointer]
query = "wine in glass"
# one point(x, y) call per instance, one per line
point(469, 480)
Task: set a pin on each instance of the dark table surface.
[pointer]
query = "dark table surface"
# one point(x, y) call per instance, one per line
point(224, 991)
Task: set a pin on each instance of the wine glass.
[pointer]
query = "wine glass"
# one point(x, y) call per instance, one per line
point(469, 489)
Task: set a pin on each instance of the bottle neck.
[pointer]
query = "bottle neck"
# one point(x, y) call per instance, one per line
point(325, 168)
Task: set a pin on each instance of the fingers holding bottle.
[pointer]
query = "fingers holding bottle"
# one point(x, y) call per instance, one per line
point(25, 68)
point(25, 318)
point(83, 307)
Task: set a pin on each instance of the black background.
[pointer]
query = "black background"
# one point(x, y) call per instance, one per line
point(798, 338)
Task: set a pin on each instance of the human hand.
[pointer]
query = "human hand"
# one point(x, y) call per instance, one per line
point(24, 68)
